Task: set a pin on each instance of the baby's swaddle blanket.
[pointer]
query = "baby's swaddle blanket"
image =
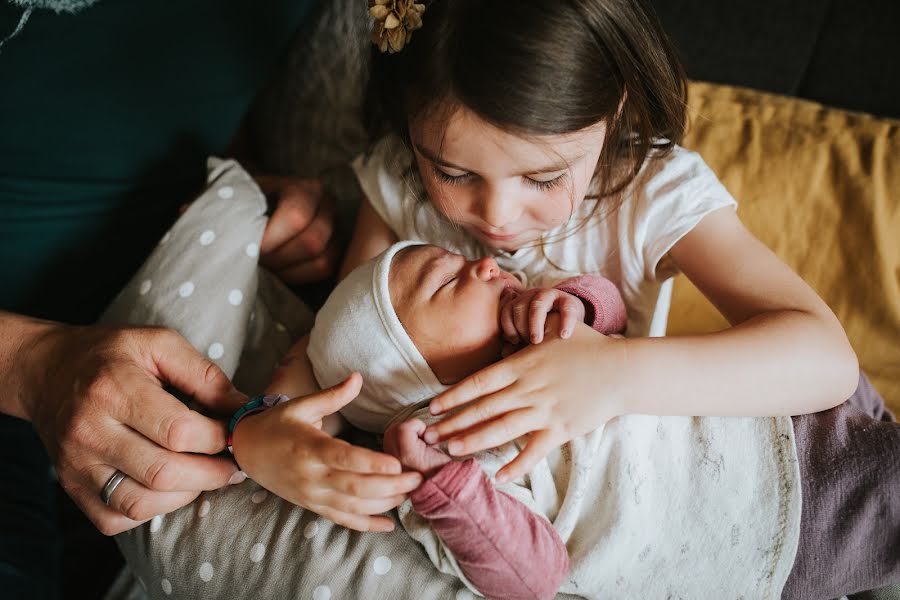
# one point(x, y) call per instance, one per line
point(701, 508)
point(649, 507)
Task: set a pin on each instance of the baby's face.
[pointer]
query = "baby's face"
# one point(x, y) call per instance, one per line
point(450, 307)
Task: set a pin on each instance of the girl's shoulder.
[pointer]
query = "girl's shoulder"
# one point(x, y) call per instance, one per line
point(386, 177)
point(674, 171)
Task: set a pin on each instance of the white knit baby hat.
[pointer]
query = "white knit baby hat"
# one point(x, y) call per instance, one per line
point(358, 330)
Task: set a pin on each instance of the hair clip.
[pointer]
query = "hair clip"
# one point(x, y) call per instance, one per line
point(395, 20)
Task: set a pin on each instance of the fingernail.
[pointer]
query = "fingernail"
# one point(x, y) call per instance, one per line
point(455, 447)
point(566, 334)
point(502, 479)
point(434, 409)
point(431, 437)
point(238, 477)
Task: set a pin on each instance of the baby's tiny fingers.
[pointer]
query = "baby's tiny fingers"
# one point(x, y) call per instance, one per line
point(538, 316)
point(569, 315)
point(507, 325)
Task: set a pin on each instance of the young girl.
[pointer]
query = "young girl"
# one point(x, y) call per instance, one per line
point(544, 134)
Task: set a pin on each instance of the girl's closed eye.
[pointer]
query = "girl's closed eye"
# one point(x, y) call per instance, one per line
point(451, 179)
point(547, 184)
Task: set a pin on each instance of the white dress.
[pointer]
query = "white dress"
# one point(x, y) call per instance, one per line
point(649, 507)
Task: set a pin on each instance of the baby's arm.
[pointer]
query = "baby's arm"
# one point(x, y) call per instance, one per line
point(503, 548)
point(591, 299)
point(603, 304)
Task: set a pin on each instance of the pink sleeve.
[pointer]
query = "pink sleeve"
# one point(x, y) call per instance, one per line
point(503, 548)
point(603, 304)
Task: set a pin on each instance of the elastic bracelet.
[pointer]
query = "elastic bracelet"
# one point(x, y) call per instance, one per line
point(254, 405)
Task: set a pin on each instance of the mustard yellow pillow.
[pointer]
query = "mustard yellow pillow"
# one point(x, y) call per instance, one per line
point(821, 187)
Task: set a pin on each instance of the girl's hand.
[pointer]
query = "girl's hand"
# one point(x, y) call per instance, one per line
point(523, 315)
point(284, 450)
point(553, 392)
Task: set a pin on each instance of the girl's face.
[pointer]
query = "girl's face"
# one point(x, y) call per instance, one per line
point(504, 189)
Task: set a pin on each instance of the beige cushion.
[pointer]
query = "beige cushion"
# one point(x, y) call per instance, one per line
point(821, 187)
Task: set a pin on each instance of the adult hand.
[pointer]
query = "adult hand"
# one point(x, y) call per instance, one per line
point(299, 244)
point(552, 392)
point(285, 451)
point(96, 397)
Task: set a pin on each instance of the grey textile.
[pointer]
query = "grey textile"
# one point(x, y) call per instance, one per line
point(850, 522)
point(241, 541)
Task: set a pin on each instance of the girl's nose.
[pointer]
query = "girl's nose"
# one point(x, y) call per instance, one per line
point(499, 208)
point(485, 268)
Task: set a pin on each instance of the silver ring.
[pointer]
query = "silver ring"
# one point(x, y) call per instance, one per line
point(111, 485)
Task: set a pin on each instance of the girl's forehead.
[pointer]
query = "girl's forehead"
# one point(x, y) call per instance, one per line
point(460, 136)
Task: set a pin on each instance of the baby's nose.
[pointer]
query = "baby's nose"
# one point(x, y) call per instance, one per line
point(486, 268)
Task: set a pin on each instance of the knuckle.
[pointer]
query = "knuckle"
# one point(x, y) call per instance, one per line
point(134, 505)
point(174, 432)
point(160, 475)
point(315, 242)
point(211, 373)
point(298, 213)
point(106, 526)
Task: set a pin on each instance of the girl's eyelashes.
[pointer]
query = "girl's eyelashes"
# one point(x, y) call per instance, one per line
point(543, 186)
point(451, 179)
point(546, 186)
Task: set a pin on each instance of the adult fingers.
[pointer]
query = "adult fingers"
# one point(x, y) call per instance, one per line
point(163, 470)
point(297, 202)
point(314, 269)
point(305, 244)
point(495, 433)
point(107, 520)
point(480, 411)
point(540, 444)
point(361, 485)
point(174, 360)
point(481, 383)
point(353, 521)
point(130, 503)
point(163, 419)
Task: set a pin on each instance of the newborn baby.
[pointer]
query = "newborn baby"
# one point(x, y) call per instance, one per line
point(442, 315)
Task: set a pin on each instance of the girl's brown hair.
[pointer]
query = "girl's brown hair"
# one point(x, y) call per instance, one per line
point(540, 67)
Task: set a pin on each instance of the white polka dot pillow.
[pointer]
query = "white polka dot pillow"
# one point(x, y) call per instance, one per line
point(242, 542)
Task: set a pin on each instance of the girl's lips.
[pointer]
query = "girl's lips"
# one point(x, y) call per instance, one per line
point(498, 238)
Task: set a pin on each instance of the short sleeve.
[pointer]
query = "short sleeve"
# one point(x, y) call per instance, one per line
point(670, 197)
point(383, 175)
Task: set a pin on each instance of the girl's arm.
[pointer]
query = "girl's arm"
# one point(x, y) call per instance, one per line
point(785, 354)
point(371, 237)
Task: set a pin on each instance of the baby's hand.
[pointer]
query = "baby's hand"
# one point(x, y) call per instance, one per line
point(404, 441)
point(523, 315)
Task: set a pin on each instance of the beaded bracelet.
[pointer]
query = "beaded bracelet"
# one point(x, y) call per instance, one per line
point(254, 405)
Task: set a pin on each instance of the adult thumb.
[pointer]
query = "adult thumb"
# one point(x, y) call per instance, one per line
point(177, 363)
point(315, 406)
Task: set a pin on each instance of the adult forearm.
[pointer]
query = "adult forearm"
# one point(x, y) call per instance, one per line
point(19, 337)
point(778, 363)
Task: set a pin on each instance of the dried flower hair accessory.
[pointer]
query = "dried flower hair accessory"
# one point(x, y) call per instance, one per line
point(395, 20)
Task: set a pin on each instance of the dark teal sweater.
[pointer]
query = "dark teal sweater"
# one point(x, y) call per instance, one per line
point(106, 119)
